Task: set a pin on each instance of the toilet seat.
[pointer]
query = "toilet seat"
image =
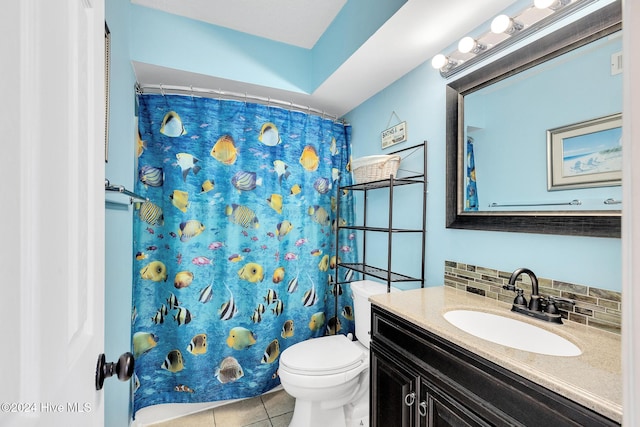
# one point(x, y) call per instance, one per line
point(328, 355)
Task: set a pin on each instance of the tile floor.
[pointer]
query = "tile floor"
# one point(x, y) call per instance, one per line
point(271, 410)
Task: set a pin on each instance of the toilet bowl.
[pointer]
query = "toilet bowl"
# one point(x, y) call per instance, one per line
point(329, 376)
point(324, 375)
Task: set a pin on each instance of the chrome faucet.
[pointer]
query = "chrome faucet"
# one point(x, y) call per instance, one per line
point(538, 307)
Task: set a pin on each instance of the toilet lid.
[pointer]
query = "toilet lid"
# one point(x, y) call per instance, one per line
point(322, 356)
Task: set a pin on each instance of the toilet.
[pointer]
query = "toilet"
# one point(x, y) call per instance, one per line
point(329, 376)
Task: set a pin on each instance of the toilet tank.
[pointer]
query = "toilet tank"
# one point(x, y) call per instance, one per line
point(362, 290)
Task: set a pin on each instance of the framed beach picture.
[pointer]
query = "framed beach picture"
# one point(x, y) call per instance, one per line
point(585, 154)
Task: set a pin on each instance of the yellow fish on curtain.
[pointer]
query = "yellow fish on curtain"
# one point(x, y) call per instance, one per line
point(234, 253)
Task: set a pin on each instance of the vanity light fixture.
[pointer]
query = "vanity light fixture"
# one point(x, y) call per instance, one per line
point(505, 24)
point(443, 63)
point(551, 4)
point(506, 31)
point(470, 45)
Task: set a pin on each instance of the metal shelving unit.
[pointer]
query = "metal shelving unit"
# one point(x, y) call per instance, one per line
point(386, 273)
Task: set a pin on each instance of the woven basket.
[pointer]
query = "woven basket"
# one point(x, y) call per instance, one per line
point(374, 168)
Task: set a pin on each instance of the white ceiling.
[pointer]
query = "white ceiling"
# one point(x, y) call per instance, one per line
point(295, 22)
point(416, 32)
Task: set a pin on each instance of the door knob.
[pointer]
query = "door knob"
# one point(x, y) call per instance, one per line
point(123, 368)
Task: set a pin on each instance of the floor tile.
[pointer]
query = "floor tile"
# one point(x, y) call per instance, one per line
point(270, 410)
point(242, 413)
point(282, 420)
point(278, 403)
point(263, 423)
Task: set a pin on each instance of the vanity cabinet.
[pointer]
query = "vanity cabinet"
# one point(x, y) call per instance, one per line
point(416, 180)
point(404, 398)
point(421, 379)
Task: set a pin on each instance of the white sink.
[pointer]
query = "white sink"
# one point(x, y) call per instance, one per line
point(511, 333)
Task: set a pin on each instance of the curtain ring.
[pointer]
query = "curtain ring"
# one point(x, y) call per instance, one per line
point(161, 89)
point(191, 87)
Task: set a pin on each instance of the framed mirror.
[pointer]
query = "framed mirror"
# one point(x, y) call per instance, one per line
point(525, 210)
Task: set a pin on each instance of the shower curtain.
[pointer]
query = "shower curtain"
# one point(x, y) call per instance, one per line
point(234, 251)
point(471, 203)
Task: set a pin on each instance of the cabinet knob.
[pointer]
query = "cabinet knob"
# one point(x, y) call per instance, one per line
point(410, 398)
point(422, 408)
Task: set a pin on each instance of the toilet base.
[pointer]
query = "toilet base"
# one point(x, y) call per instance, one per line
point(357, 415)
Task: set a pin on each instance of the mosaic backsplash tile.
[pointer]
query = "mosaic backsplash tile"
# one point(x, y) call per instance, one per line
point(598, 308)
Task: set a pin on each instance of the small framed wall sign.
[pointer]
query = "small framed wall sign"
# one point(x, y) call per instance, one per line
point(394, 135)
point(585, 154)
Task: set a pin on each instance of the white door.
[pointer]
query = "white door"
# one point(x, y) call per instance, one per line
point(52, 211)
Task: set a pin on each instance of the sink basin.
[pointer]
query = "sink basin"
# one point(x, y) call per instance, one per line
point(511, 333)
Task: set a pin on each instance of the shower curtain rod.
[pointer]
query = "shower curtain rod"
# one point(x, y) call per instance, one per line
point(121, 189)
point(236, 96)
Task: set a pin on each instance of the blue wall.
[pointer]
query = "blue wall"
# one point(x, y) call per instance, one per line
point(180, 43)
point(118, 215)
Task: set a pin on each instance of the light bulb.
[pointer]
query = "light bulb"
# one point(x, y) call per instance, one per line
point(469, 44)
point(443, 63)
point(466, 44)
point(439, 61)
point(500, 24)
point(504, 24)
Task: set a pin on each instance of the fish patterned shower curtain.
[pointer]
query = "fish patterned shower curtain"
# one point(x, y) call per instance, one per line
point(234, 251)
point(471, 202)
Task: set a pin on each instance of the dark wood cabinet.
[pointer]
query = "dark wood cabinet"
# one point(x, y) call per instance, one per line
point(397, 387)
point(421, 379)
point(439, 410)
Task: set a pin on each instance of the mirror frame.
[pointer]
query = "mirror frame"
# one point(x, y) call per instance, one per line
point(600, 23)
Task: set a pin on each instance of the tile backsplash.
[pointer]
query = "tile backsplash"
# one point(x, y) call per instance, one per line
point(598, 308)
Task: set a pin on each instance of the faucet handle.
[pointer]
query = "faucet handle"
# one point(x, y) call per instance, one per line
point(561, 299)
point(551, 306)
point(520, 299)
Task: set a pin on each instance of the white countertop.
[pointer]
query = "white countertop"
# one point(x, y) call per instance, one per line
point(593, 379)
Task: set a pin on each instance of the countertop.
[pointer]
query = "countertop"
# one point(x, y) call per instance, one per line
point(593, 379)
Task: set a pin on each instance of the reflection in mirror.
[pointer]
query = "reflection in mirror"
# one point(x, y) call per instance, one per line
point(506, 127)
point(524, 105)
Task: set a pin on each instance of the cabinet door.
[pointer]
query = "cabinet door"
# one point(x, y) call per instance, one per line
point(438, 410)
point(394, 394)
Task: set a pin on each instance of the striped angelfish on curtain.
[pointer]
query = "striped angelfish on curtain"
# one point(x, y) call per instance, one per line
point(235, 248)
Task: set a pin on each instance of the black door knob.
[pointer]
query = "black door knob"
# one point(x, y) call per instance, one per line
point(123, 368)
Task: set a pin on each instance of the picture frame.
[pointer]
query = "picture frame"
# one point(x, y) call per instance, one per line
point(394, 135)
point(585, 154)
point(107, 72)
